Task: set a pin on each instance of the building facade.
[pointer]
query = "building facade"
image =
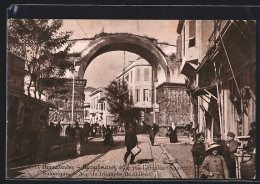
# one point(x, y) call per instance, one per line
point(139, 77)
point(61, 96)
point(87, 92)
point(174, 102)
point(99, 108)
point(21, 108)
point(221, 81)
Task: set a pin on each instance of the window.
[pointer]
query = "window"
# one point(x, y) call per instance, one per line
point(137, 95)
point(146, 95)
point(146, 74)
point(138, 74)
point(192, 33)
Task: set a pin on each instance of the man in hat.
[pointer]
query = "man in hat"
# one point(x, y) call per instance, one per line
point(214, 165)
point(223, 150)
point(232, 147)
point(130, 142)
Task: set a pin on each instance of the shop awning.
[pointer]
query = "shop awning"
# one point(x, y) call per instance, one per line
point(209, 90)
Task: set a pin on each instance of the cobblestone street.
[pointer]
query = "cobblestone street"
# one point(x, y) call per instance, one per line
point(156, 161)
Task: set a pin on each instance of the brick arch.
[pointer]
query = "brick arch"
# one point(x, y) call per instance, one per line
point(142, 46)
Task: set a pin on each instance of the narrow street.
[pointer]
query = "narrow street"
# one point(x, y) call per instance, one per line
point(99, 161)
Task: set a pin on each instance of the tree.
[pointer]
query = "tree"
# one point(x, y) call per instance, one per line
point(121, 104)
point(43, 47)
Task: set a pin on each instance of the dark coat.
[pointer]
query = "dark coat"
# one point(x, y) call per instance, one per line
point(232, 145)
point(130, 138)
point(45, 141)
point(173, 135)
point(224, 151)
point(80, 136)
point(199, 152)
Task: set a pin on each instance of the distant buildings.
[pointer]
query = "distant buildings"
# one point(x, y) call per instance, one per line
point(99, 108)
point(61, 97)
point(87, 92)
point(139, 77)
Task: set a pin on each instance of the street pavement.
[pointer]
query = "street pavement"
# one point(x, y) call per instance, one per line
point(100, 161)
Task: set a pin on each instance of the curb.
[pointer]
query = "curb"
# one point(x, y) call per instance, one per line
point(175, 164)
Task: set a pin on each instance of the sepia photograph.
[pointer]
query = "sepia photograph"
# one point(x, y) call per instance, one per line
point(131, 99)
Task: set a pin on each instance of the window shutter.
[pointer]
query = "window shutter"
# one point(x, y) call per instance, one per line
point(146, 74)
point(192, 28)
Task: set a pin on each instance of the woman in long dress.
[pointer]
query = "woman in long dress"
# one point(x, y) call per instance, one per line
point(173, 133)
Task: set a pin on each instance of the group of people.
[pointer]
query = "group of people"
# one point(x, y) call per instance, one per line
point(79, 135)
point(217, 160)
point(40, 137)
point(91, 130)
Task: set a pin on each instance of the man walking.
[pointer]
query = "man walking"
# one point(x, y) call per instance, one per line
point(78, 137)
point(130, 143)
point(152, 133)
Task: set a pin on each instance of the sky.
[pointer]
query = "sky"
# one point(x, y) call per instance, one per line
point(105, 67)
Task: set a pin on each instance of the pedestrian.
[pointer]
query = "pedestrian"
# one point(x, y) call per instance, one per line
point(188, 129)
point(67, 132)
point(18, 137)
point(58, 129)
point(199, 153)
point(103, 131)
point(214, 165)
point(77, 139)
point(108, 137)
point(173, 133)
point(44, 143)
point(252, 133)
point(223, 149)
point(85, 132)
point(130, 143)
point(152, 133)
point(52, 132)
point(33, 142)
point(232, 147)
point(145, 127)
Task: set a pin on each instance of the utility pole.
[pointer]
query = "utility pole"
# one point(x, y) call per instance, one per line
point(153, 95)
point(73, 90)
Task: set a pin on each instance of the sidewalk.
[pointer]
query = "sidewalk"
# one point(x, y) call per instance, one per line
point(54, 147)
point(181, 151)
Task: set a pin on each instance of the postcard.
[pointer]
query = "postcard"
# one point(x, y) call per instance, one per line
point(131, 99)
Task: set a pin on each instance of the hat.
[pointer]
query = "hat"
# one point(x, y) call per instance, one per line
point(212, 145)
point(231, 134)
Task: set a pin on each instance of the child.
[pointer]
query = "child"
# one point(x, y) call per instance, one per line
point(214, 165)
